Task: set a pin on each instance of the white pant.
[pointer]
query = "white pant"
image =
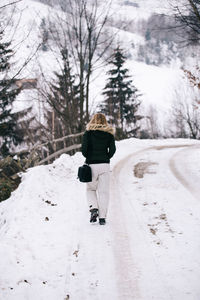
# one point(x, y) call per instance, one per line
point(98, 189)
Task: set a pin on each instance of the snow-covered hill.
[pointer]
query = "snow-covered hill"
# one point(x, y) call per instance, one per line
point(149, 248)
point(156, 84)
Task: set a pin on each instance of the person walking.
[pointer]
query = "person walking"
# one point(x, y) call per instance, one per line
point(98, 146)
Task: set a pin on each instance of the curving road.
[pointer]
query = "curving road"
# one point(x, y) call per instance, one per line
point(152, 217)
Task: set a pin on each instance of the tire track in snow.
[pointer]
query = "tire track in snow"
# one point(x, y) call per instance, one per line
point(179, 175)
point(126, 265)
point(126, 269)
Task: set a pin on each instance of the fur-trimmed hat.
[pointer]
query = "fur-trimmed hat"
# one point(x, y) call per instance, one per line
point(98, 122)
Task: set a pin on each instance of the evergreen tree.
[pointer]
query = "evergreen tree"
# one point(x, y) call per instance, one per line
point(63, 99)
point(10, 132)
point(121, 98)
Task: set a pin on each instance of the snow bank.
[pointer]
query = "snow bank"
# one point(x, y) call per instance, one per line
point(36, 230)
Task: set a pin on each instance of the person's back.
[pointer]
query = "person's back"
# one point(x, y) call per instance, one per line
point(98, 147)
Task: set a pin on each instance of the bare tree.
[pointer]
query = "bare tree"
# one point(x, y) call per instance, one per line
point(23, 119)
point(82, 31)
point(186, 116)
point(152, 123)
point(8, 28)
point(11, 3)
point(187, 13)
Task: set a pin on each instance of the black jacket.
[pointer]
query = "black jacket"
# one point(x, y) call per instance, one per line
point(98, 146)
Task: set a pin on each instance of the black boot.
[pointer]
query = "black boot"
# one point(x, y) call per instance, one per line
point(94, 215)
point(102, 221)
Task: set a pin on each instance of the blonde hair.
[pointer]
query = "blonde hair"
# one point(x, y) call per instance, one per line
point(99, 119)
point(99, 122)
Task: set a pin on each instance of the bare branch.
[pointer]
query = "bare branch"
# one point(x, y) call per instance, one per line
point(195, 9)
point(12, 3)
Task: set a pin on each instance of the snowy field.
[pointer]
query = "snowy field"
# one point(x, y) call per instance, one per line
point(149, 248)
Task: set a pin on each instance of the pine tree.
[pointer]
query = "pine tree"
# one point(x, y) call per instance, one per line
point(64, 101)
point(121, 98)
point(10, 133)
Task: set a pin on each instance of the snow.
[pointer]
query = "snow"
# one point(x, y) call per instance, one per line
point(149, 248)
point(139, 9)
point(156, 83)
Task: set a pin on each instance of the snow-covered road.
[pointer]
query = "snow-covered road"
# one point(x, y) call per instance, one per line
point(149, 248)
point(161, 221)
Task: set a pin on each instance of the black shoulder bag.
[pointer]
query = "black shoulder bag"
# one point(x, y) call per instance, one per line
point(85, 171)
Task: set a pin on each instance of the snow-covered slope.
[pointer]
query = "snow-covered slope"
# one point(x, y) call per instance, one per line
point(156, 84)
point(140, 9)
point(149, 248)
